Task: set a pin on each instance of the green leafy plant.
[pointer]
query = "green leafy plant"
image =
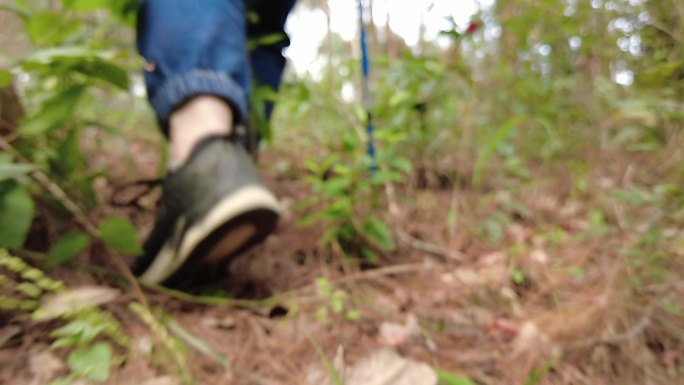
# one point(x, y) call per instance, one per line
point(21, 285)
point(447, 378)
point(337, 302)
point(344, 193)
point(120, 235)
point(16, 213)
point(72, 65)
point(93, 363)
point(171, 353)
point(329, 367)
point(67, 248)
point(89, 332)
point(538, 374)
point(88, 359)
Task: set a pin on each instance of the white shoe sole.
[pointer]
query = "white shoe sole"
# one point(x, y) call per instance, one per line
point(171, 257)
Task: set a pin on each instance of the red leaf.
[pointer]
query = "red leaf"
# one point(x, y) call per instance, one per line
point(472, 27)
point(503, 329)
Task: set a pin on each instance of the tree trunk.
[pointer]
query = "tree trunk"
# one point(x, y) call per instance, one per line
point(330, 67)
point(11, 110)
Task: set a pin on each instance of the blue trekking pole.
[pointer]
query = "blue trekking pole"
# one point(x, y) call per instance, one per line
point(367, 103)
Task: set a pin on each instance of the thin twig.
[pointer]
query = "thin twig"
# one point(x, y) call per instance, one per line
point(55, 191)
point(217, 301)
point(662, 28)
point(80, 217)
point(379, 272)
point(413, 242)
point(294, 293)
point(618, 339)
point(427, 247)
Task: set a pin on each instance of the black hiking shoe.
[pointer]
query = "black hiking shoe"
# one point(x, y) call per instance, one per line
point(211, 209)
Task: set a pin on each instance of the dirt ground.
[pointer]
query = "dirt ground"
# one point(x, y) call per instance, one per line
point(551, 303)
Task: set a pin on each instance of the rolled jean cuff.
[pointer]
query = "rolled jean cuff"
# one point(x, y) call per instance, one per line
point(179, 89)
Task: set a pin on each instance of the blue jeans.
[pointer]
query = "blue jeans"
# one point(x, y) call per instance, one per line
point(199, 47)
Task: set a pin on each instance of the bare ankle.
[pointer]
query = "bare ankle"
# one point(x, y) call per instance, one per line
point(201, 117)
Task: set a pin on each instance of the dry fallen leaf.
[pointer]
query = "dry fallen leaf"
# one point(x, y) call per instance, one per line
point(386, 367)
point(518, 233)
point(393, 334)
point(144, 345)
point(44, 366)
point(539, 256)
point(530, 338)
point(466, 276)
point(73, 300)
point(8, 333)
point(165, 380)
point(504, 329)
point(225, 323)
point(670, 358)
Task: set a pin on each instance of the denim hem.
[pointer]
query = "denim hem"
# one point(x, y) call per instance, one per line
point(180, 88)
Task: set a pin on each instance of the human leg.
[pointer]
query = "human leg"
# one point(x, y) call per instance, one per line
point(194, 48)
point(213, 204)
point(266, 59)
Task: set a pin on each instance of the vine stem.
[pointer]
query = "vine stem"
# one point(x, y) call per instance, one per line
point(82, 219)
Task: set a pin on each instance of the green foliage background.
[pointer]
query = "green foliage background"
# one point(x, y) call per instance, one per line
point(535, 83)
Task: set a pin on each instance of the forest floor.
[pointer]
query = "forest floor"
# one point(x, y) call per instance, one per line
point(550, 302)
